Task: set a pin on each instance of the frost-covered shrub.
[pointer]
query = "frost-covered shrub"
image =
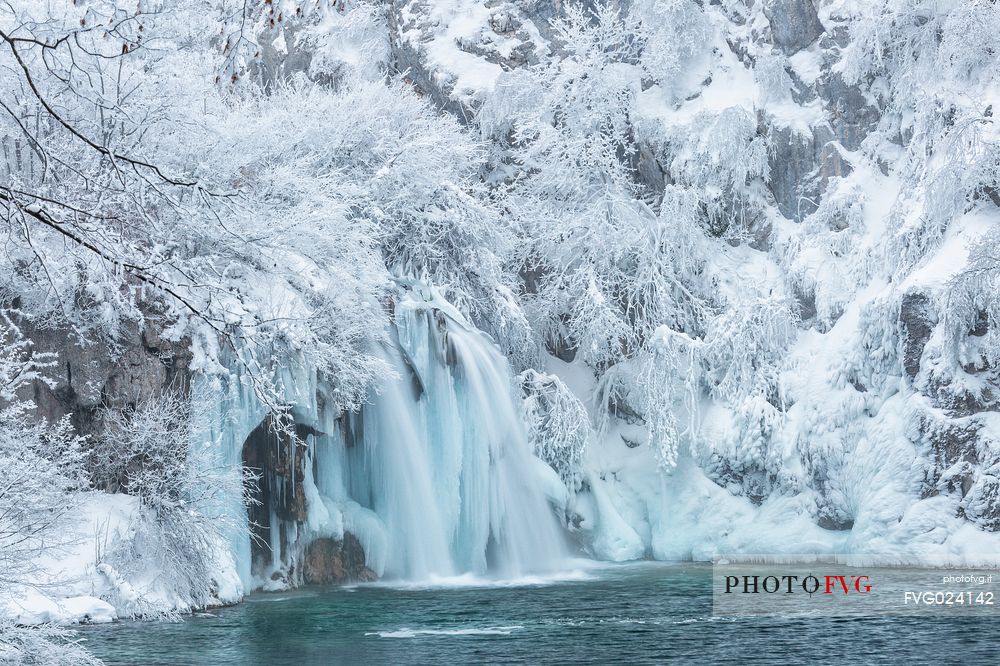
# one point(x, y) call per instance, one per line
point(558, 424)
point(44, 645)
point(737, 361)
point(933, 67)
point(963, 173)
point(745, 346)
point(722, 157)
point(343, 39)
point(41, 472)
point(259, 220)
point(375, 195)
point(604, 268)
point(919, 42)
point(982, 503)
point(610, 280)
point(825, 257)
point(177, 540)
point(665, 391)
point(675, 48)
point(742, 356)
point(40, 463)
point(971, 309)
point(773, 82)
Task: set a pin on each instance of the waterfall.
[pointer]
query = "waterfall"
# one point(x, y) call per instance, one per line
point(435, 476)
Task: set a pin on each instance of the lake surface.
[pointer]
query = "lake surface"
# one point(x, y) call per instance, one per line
point(629, 614)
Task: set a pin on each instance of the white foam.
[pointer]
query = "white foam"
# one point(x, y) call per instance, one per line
point(467, 581)
point(472, 631)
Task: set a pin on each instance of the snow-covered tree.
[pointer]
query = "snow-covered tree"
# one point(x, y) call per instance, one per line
point(42, 463)
point(932, 66)
point(41, 468)
point(606, 267)
point(559, 426)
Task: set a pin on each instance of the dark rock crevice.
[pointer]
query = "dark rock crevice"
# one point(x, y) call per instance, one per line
point(279, 456)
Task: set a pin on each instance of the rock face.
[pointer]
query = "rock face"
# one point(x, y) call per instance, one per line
point(851, 115)
point(916, 315)
point(794, 24)
point(981, 503)
point(90, 377)
point(801, 166)
point(329, 561)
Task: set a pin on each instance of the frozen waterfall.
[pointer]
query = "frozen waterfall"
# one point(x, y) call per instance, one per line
point(440, 458)
point(435, 476)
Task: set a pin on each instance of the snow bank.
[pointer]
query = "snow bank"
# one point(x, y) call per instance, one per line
point(75, 585)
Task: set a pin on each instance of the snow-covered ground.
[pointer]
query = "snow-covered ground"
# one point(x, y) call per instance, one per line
point(74, 583)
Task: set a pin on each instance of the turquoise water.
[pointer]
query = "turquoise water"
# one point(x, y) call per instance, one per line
point(631, 614)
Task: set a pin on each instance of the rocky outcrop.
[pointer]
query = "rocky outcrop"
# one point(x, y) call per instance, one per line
point(277, 454)
point(801, 166)
point(90, 376)
point(917, 317)
point(794, 24)
point(851, 114)
point(981, 504)
point(331, 561)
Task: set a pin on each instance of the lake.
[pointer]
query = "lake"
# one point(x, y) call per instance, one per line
point(635, 614)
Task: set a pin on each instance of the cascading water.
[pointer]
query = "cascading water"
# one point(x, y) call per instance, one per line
point(435, 476)
point(440, 459)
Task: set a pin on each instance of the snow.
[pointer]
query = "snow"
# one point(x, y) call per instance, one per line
point(742, 383)
point(951, 257)
point(731, 85)
point(440, 29)
point(73, 584)
point(36, 608)
point(807, 64)
point(68, 581)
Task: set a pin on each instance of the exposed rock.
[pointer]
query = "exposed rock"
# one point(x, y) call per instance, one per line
point(833, 520)
point(794, 24)
point(621, 409)
point(801, 168)
point(794, 157)
point(137, 374)
point(406, 17)
point(91, 376)
point(954, 454)
point(959, 400)
point(329, 561)
point(279, 459)
point(917, 316)
point(650, 172)
point(981, 502)
point(982, 325)
point(851, 116)
point(281, 54)
point(962, 463)
point(502, 22)
point(753, 481)
point(562, 349)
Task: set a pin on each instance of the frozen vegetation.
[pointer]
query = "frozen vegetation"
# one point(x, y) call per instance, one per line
point(300, 291)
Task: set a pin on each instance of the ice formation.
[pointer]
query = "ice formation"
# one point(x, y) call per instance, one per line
point(435, 477)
